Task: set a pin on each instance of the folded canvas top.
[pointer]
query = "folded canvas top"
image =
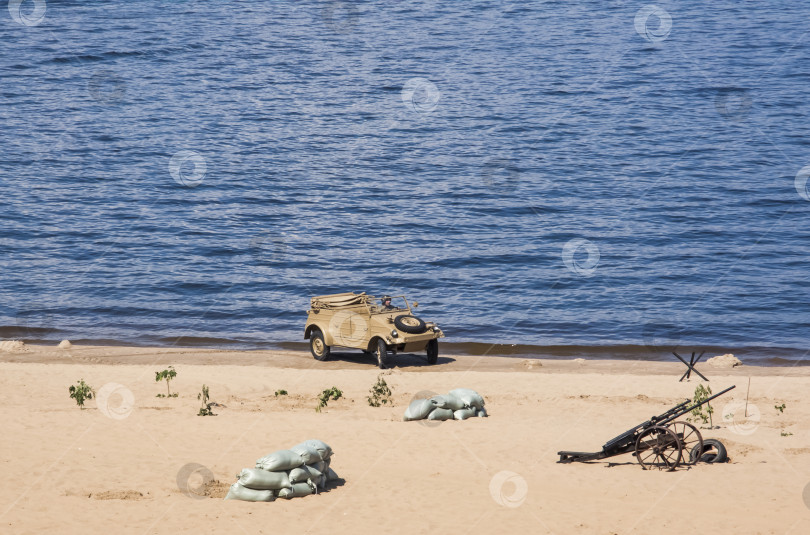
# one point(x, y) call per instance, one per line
point(349, 299)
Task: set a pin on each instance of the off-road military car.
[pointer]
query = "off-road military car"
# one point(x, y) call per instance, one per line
point(377, 326)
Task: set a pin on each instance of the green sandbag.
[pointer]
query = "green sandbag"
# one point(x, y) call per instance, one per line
point(320, 466)
point(239, 492)
point(447, 402)
point(441, 414)
point(258, 479)
point(309, 454)
point(322, 447)
point(280, 460)
point(331, 475)
point(418, 410)
point(463, 414)
point(304, 473)
point(471, 398)
point(297, 490)
point(481, 413)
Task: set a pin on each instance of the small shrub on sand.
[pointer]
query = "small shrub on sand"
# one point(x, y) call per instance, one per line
point(205, 409)
point(330, 393)
point(80, 392)
point(380, 393)
point(704, 412)
point(168, 375)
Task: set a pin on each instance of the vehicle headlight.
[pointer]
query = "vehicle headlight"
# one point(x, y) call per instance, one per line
point(394, 333)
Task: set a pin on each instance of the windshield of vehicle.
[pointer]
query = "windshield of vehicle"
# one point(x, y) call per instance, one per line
point(391, 304)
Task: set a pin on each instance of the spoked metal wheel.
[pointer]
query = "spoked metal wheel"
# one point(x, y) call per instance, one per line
point(691, 441)
point(658, 448)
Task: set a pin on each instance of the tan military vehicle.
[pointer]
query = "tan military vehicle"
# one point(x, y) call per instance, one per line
point(379, 327)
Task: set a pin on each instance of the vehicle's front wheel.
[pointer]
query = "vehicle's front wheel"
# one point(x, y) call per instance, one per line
point(382, 354)
point(433, 351)
point(317, 345)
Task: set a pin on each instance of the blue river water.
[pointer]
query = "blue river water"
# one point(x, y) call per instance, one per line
point(604, 178)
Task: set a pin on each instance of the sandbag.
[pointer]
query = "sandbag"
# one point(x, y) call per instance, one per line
point(240, 492)
point(297, 490)
point(322, 447)
point(304, 473)
point(470, 398)
point(309, 454)
point(280, 460)
point(258, 479)
point(313, 472)
point(441, 414)
point(320, 466)
point(321, 483)
point(418, 410)
point(463, 414)
point(447, 402)
point(481, 413)
point(331, 475)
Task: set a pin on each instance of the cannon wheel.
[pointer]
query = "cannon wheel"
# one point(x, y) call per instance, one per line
point(691, 441)
point(658, 448)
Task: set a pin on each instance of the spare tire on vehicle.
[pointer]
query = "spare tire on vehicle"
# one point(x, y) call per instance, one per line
point(410, 324)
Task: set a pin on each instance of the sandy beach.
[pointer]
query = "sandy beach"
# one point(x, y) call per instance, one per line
point(113, 469)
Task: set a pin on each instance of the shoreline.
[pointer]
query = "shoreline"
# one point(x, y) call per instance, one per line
point(354, 360)
point(754, 355)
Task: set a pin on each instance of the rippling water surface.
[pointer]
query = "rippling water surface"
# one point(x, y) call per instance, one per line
point(582, 174)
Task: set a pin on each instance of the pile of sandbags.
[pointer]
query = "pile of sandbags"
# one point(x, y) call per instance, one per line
point(458, 404)
point(298, 471)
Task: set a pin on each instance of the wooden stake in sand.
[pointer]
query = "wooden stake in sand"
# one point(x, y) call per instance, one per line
point(746, 396)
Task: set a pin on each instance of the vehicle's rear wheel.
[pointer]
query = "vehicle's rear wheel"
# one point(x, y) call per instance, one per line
point(317, 345)
point(382, 354)
point(433, 351)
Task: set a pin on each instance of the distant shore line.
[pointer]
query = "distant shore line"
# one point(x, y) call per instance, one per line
point(754, 355)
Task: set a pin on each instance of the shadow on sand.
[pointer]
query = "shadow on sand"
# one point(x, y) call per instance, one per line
point(401, 360)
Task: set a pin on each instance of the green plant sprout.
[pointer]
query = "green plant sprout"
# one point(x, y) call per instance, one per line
point(330, 393)
point(80, 392)
point(168, 375)
point(380, 393)
point(281, 393)
point(781, 409)
point(704, 412)
point(205, 409)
